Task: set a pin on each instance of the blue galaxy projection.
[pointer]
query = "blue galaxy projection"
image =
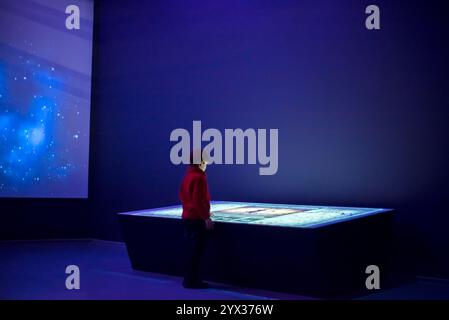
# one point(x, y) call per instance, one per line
point(45, 86)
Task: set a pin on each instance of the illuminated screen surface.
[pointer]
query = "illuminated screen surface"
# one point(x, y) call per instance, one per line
point(45, 89)
point(284, 215)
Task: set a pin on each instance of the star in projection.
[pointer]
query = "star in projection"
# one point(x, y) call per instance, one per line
point(33, 144)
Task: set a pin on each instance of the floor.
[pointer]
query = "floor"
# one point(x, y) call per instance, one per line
point(36, 270)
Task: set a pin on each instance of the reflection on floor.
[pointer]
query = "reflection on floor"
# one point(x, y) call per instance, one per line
point(36, 270)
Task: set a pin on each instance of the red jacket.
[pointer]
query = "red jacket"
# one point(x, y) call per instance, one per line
point(194, 194)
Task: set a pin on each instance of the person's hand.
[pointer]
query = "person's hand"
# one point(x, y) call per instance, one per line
point(209, 224)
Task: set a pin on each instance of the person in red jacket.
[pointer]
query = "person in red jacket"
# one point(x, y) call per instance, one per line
point(196, 217)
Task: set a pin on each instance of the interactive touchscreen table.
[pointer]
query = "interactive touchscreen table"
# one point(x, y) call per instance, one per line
point(283, 215)
point(316, 250)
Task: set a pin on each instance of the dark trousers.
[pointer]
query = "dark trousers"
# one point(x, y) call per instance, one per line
point(195, 238)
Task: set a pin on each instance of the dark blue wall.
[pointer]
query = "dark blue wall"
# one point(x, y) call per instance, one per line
point(362, 115)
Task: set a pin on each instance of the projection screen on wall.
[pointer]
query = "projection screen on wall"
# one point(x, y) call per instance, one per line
point(45, 89)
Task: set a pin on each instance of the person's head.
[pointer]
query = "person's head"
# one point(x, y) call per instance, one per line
point(199, 158)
